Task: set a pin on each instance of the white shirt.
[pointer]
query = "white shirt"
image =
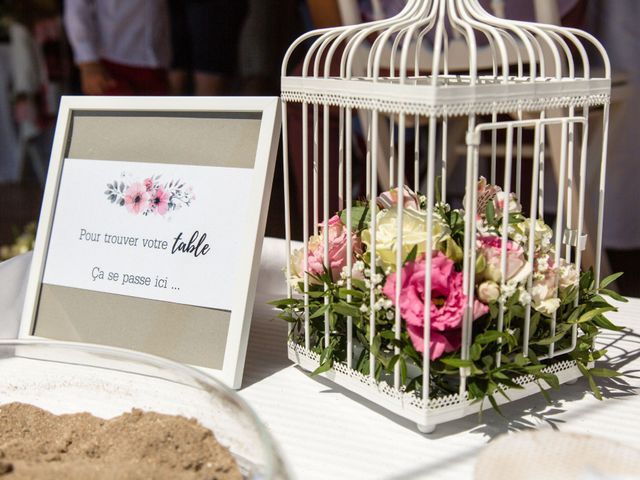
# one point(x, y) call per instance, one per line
point(131, 32)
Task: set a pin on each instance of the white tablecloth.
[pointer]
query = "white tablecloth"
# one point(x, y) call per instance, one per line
point(327, 433)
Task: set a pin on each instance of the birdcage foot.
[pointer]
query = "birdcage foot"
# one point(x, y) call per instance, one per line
point(426, 428)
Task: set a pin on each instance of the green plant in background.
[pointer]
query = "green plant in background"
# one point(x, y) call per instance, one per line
point(22, 244)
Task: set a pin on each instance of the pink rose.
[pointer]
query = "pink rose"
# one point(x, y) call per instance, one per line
point(389, 199)
point(490, 246)
point(136, 198)
point(148, 184)
point(447, 303)
point(337, 232)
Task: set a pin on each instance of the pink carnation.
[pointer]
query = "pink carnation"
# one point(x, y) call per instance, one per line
point(337, 232)
point(447, 303)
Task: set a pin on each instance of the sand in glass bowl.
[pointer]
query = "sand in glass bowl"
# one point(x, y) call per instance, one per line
point(83, 411)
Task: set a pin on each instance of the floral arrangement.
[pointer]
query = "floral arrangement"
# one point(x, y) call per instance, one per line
point(551, 289)
point(150, 196)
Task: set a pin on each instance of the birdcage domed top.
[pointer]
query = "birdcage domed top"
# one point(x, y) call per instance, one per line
point(448, 57)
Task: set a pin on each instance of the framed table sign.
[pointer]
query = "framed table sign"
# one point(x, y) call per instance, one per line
point(152, 224)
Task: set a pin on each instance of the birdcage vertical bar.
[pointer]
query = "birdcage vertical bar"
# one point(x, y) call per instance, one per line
point(372, 180)
point(541, 160)
point(581, 193)
point(341, 179)
point(287, 202)
point(559, 223)
point(494, 145)
point(416, 153)
point(519, 157)
point(505, 236)
point(533, 215)
point(568, 191)
point(392, 151)
point(399, 250)
point(325, 212)
point(601, 195)
point(349, 202)
point(468, 270)
point(369, 158)
point(445, 162)
point(316, 173)
point(305, 220)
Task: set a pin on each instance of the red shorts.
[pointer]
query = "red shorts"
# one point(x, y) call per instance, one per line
point(136, 80)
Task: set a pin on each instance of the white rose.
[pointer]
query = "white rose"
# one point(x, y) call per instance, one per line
point(414, 234)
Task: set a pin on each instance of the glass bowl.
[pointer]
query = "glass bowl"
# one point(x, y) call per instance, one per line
point(70, 378)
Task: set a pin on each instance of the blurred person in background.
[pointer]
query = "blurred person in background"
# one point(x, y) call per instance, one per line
point(205, 39)
point(122, 47)
point(615, 24)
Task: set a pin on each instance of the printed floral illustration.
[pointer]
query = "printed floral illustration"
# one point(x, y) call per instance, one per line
point(150, 196)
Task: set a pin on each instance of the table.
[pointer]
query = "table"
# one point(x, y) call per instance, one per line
point(326, 432)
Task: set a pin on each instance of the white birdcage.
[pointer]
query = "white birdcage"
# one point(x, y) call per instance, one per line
point(520, 91)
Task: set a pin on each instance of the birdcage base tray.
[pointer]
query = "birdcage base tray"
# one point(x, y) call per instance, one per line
point(426, 415)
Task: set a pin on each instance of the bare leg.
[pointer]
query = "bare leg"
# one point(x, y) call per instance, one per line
point(209, 84)
point(178, 82)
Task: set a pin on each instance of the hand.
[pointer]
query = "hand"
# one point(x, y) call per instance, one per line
point(95, 80)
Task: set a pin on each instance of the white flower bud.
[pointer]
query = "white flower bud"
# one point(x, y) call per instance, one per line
point(488, 292)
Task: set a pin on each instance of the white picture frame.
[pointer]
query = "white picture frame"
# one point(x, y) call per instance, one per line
point(268, 109)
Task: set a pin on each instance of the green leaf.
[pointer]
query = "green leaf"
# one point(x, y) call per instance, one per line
point(360, 217)
point(594, 387)
point(520, 360)
point(375, 346)
point(476, 352)
point(316, 293)
point(610, 279)
point(594, 313)
point(550, 340)
point(490, 213)
point(345, 309)
point(533, 324)
point(324, 367)
point(603, 322)
point(487, 360)
point(412, 254)
point(285, 302)
point(550, 379)
point(494, 404)
point(583, 369)
point(403, 370)
point(320, 312)
point(488, 337)
point(614, 295)
point(344, 292)
point(457, 362)
point(392, 362)
point(475, 391)
point(604, 372)
point(545, 394)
